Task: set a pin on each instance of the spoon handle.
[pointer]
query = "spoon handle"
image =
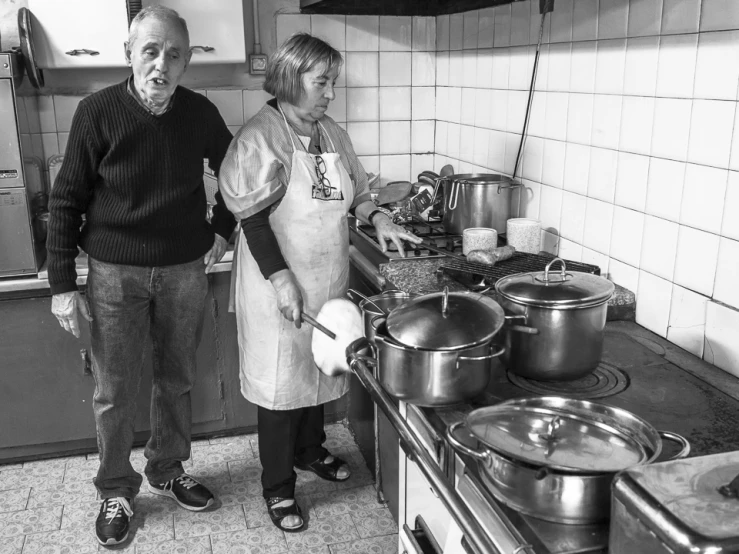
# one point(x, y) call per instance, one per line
point(310, 321)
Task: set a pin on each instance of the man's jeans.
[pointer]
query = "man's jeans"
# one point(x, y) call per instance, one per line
point(129, 304)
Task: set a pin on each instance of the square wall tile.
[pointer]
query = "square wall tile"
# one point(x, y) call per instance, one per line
point(371, 164)
point(711, 127)
point(442, 104)
point(47, 117)
point(697, 259)
point(51, 145)
point(569, 250)
point(680, 16)
point(423, 103)
point(395, 103)
point(687, 324)
point(32, 113)
point(665, 188)
point(659, 247)
point(421, 163)
point(730, 224)
point(627, 233)
point(423, 72)
point(606, 120)
point(456, 31)
point(721, 347)
point(550, 242)
point(596, 258)
point(442, 33)
point(676, 66)
point(560, 60)
point(602, 179)
point(456, 68)
point(483, 107)
point(582, 68)
point(703, 197)
point(517, 101)
point(484, 69)
point(555, 124)
point(580, 118)
point(467, 143)
point(501, 68)
point(480, 146)
point(502, 26)
point(642, 60)
point(585, 20)
point(470, 29)
point(499, 110)
point(610, 65)
point(727, 273)
point(363, 104)
point(395, 168)
point(718, 15)
point(290, 24)
point(537, 115)
point(671, 128)
point(331, 28)
point(512, 144)
point(469, 68)
point(230, 104)
point(521, 63)
point(624, 275)
point(337, 107)
point(561, 22)
point(631, 181)
point(550, 209)
point(531, 159)
point(486, 28)
point(442, 69)
point(613, 19)
point(423, 34)
point(440, 137)
point(395, 137)
point(422, 137)
point(395, 69)
point(553, 165)
point(362, 33)
point(645, 18)
point(520, 24)
point(365, 137)
point(455, 105)
point(362, 69)
point(653, 303)
point(577, 168)
point(714, 78)
point(573, 216)
point(64, 108)
point(37, 146)
point(454, 133)
point(637, 117)
point(254, 100)
point(598, 224)
point(496, 150)
point(63, 139)
point(396, 33)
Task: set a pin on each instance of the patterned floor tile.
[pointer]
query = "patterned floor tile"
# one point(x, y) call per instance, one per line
point(194, 545)
point(81, 472)
point(329, 504)
point(223, 520)
point(323, 531)
point(14, 499)
point(24, 522)
point(66, 541)
point(151, 528)
point(238, 493)
point(82, 515)
point(10, 466)
point(13, 545)
point(255, 510)
point(213, 476)
point(245, 470)
point(263, 540)
point(45, 466)
point(75, 460)
point(225, 452)
point(35, 476)
point(339, 438)
point(66, 493)
point(374, 523)
point(387, 544)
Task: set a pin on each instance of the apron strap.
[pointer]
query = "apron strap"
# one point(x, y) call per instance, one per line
point(287, 125)
point(325, 132)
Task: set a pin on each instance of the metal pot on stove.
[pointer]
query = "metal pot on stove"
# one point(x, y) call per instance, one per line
point(437, 349)
point(567, 310)
point(554, 458)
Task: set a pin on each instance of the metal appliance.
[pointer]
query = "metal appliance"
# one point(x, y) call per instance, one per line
point(20, 252)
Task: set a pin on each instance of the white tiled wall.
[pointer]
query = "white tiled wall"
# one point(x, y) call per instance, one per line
point(632, 158)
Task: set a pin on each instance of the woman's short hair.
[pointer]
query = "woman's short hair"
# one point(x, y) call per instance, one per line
point(299, 54)
point(160, 13)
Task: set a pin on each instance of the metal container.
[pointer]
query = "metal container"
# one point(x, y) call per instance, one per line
point(569, 312)
point(555, 458)
point(676, 507)
point(377, 306)
point(476, 200)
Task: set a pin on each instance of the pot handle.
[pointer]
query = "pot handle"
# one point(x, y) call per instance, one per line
point(521, 328)
point(454, 194)
point(678, 439)
point(483, 456)
point(477, 358)
point(509, 186)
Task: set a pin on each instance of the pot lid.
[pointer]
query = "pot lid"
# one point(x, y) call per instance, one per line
point(560, 289)
point(25, 32)
point(558, 437)
point(446, 321)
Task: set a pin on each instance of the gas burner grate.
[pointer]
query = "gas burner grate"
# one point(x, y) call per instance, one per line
point(606, 380)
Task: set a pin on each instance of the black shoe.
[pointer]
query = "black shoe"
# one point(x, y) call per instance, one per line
point(111, 526)
point(186, 491)
point(326, 471)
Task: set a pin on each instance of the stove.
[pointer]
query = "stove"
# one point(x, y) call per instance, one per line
point(431, 232)
point(633, 376)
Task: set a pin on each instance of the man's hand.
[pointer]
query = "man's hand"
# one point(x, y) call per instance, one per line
point(387, 230)
point(64, 306)
point(215, 253)
point(289, 297)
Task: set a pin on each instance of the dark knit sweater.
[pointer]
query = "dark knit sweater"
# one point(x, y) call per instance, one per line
point(138, 178)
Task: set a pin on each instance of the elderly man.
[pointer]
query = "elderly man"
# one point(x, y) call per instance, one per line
point(134, 167)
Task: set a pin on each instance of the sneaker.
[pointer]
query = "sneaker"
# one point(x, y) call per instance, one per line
point(111, 526)
point(186, 491)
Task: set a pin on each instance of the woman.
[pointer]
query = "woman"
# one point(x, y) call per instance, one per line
point(291, 176)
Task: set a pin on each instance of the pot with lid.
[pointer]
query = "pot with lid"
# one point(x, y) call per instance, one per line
point(555, 458)
point(568, 309)
point(437, 349)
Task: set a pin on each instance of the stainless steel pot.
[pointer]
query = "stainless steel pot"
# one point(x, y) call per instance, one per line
point(378, 305)
point(569, 312)
point(431, 377)
point(555, 458)
point(476, 200)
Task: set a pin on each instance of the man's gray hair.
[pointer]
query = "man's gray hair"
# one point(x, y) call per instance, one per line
point(160, 13)
point(299, 54)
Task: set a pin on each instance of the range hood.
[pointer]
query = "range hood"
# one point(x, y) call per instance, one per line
point(396, 7)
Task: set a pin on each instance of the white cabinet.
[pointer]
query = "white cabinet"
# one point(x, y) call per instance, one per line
point(79, 33)
point(216, 29)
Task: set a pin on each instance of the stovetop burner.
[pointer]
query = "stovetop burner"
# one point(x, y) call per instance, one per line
point(606, 380)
